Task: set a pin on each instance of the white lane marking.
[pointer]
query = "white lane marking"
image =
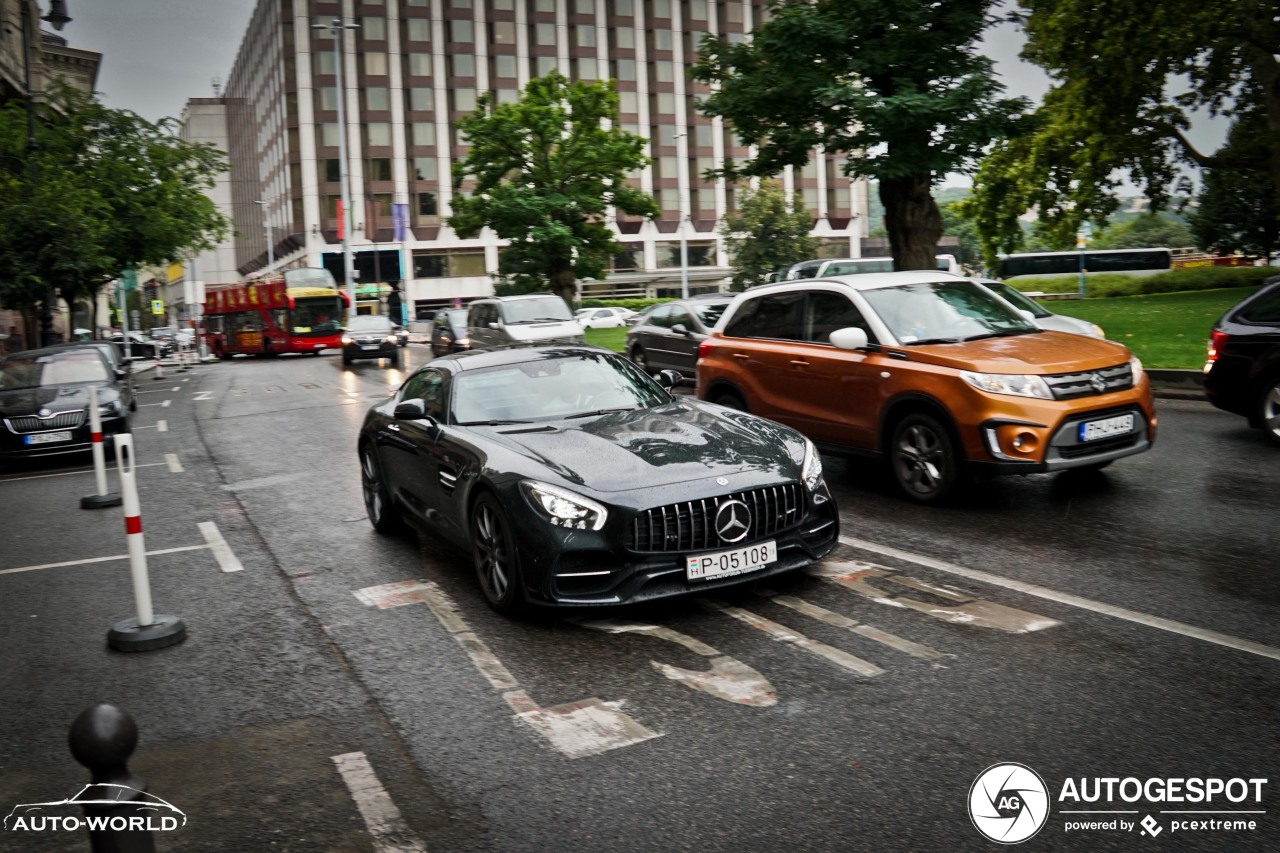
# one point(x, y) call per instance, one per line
point(100, 559)
point(1076, 601)
point(157, 390)
point(162, 426)
point(171, 459)
point(782, 633)
point(70, 473)
point(261, 482)
point(222, 552)
point(166, 404)
point(963, 609)
point(576, 729)
point(386, 825)
point(830, 617)
point(200, 396)
point(163, 405)
point(729, 679)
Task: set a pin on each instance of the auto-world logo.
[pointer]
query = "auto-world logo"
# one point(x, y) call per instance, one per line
point(1008, 803)
point(149, 812)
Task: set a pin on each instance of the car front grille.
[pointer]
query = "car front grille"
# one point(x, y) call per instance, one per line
point(31, 423)
point(690, 525)
point(1090, 383)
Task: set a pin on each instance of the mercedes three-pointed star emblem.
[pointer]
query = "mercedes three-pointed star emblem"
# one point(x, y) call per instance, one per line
point(733, 520)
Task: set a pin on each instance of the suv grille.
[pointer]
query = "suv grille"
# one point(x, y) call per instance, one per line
point(30, 423)
point(1090, 383)
point(690, 525)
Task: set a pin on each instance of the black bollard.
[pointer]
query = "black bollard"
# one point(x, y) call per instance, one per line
point(116, 804)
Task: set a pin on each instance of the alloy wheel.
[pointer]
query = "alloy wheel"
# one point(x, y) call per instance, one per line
point(1270, 412)
point(922, 458)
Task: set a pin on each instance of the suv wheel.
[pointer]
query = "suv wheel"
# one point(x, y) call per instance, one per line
point(923, 458)
point(1269, 410)
point(729, 400)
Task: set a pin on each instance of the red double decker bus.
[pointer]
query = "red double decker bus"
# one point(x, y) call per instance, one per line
point(302, 312)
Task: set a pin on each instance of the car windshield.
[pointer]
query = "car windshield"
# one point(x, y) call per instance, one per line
point(709, 313)
point(369, 323)
point(551, 388)
point(1017, 298)
point(543, 309)
point(945, 312)
point(35, 371)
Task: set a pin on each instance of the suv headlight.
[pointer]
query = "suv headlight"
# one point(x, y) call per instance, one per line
point(811, 471)
point(1135, 366)
point(346, 339)
point(564, 508)
point(1015, 384)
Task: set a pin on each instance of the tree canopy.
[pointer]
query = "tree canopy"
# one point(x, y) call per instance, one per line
point(767, 231)
point(1128, 77)
point(101, 190)
point(546, 171)
point(1237, 209)
point(897, 87)
point(1148, 230)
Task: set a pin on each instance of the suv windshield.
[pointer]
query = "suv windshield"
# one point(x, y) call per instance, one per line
point(369, 323)
point(542, 309)
point(945, 312)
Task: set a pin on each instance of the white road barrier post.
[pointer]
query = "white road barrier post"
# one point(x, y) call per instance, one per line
point(147, 631)
point(103, 498)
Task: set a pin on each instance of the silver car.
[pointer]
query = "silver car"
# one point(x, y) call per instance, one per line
point(1041, 316)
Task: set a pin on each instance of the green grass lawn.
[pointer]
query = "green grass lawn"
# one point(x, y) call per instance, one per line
point(1165, 330)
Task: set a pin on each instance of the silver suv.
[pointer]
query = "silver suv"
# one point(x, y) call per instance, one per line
point(511, 321)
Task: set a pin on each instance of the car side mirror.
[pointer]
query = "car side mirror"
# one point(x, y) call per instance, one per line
point(679, 329)
point(122, 373)
point(1027, 315)
point(669, 378)
point(850, 338)
point(410, 410)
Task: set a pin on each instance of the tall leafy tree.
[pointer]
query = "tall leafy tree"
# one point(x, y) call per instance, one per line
point(101, 190)
point(898, 87)
point(546, 172)
point(1128, 76)
point(768, 231)
point(1237, 209)
point(1149, 230)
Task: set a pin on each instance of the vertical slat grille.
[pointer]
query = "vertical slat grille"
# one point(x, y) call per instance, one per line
point(690, 526)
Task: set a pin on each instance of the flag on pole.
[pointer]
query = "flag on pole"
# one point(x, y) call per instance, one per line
point(342, 220)
point(400, 222)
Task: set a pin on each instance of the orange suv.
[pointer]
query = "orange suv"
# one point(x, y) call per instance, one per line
point(930, 371)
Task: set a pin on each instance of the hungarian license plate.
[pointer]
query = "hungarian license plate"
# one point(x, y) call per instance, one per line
point(49, 437)
point(720, 564)
point(369, 346)
point(1106, 428)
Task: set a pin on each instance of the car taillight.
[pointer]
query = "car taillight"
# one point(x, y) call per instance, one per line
point(1217, 340)
point(703, 348)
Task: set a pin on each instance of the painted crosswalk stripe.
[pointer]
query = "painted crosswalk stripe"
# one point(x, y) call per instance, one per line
point(840, 658)
point(575, 729)
point(893, 641)
point(222, 552)
point(387, 827)
point(162, 426)
point(174, 464)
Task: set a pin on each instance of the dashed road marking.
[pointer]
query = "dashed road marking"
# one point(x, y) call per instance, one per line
point(729, 679)
point(222, 552)
point(782, 633)
point(576, 729)
point(839, 620)
point(386, 825)
point(1076, 601)
point(171, 459)
point(200, 396)
point(71, 473)
point(91, 560)
point(162, 426)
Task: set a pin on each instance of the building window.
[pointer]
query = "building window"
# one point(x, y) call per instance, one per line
point(504, 32)
point(661, 39)
point(420, 64)
point(664, 71)
point(504, 5)
point(439, 263)
point(508, 96)
point(666, 135)
point(378, 133)
point(733, 12)
point(666, 103)
point(464, 65)
point(585, 7)
point(703, 135)
point(624, 37)
point(421, 98)
point(379, 169)
point(424, 168)
point(626, 69)
point(627, 102)
point(585, 35)
point(546, 5)
point(428, 265)
point(698, 10)
point(333, 170)
point(375, 98)
point(323, 59)
point(546, 64)
point(375, 63)
point(328, 97)
point(328, 133)
point(460, 4)
point(331, 205)
point(545, 34)
point(461, 31)
point(373, 29)
point(587, 69)
point(427, 205)
point(504, 65)
point(424, 133)
point(418, 29)
point(464, 100)
point(662, 8)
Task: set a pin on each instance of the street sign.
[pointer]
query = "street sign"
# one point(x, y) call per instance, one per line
point(157, 306)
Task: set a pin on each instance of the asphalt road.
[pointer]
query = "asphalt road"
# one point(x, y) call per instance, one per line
point(1119, 624)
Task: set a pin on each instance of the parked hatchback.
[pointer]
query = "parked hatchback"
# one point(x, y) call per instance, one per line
point(1242, 375)
point(512, 321)
point(1040, 315)
point(667, 336)
point(932, 372)
point(449, 331)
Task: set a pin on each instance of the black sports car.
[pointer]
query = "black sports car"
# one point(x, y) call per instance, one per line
point(576, 479)
point(44, 401)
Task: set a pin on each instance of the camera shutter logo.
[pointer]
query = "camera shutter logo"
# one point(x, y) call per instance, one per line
point(1008, 803)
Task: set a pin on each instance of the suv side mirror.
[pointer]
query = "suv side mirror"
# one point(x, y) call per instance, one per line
point(410, 410)
point(669, 378)
point(493, 325)
point(849, 338)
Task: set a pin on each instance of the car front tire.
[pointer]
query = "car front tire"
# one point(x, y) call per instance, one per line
point(1269, 410)
point(923, 458)
point(639, 359)
point(497, 562)
point(377, 500)
point(729, 400)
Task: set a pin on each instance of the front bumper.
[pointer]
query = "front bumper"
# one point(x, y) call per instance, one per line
point(13, 446)
point(351, 352)
point(1060, 448)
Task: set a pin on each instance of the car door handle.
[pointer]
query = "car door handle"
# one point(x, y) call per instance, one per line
point(393, 427)
point(799, 362)
point(741, 355)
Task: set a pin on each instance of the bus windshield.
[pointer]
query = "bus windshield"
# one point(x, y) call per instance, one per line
point(316, 315)
point(310, 278)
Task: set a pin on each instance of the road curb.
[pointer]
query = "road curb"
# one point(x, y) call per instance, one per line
point(1177, 384)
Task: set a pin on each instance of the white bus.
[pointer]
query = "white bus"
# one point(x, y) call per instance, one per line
point(826, 267)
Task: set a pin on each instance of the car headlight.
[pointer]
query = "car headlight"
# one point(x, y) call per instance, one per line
point(1135, 366)
point(346, 339)
point(564, 508)
point(811, 471)
point(464, 343)
point(391, 339)
point(1016, 384)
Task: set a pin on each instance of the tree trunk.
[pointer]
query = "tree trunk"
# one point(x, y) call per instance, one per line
point(913, 221)
point(565, 285)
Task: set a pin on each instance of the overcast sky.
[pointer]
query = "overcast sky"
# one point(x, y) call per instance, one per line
point(156, 54)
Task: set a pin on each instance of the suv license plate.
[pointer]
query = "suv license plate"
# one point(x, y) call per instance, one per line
point(1106, 428)
point(701, 567)
point(48, 437)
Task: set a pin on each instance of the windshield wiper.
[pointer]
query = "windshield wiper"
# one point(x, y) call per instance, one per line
point(493, 423)
point(1001, 334)
point(601, 412)
point(934, 341)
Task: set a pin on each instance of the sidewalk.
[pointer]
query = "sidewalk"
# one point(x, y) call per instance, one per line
point(1177, 384)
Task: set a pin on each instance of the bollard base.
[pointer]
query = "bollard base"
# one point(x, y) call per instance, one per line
point(127, 636)
point(100, 501)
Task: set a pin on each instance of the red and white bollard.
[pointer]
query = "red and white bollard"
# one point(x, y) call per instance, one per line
point(147, 631)
point(103, 498)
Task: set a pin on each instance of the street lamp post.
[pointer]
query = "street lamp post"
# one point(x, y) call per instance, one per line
point(335, 28)
point(683, 157)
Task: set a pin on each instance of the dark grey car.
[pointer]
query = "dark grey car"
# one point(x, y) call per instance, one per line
point(667, 336)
